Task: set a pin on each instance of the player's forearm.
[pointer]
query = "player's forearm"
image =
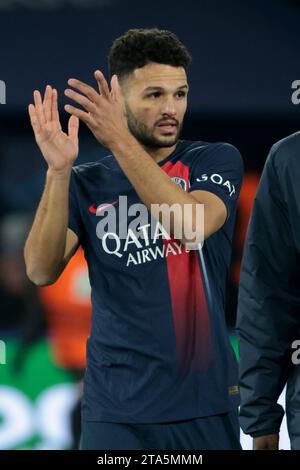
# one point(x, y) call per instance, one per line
point(154, 187)
point(45, 245)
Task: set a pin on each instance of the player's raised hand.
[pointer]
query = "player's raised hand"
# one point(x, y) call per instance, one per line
point(59, 149)
point(103, 111)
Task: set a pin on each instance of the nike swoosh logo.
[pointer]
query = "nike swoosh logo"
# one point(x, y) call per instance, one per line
point(94, 210)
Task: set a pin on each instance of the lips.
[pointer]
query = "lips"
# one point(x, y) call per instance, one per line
point(167, 123)
point(167, 126)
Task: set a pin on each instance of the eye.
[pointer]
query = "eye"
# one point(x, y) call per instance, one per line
point(155, 94)
point(181, 94)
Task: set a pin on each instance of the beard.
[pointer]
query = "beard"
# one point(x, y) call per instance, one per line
point(145, 136)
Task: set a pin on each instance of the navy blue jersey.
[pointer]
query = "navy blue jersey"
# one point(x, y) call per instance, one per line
point(158, 349)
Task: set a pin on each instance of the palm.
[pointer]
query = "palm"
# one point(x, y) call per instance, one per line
point(58, 148)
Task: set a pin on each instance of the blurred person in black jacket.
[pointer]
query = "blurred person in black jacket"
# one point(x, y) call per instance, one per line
point(268, 320)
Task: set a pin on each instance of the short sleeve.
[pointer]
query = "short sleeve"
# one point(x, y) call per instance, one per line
point(75, 220)
point(220, 171)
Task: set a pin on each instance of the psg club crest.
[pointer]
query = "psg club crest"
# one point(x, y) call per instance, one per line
point(180, 181)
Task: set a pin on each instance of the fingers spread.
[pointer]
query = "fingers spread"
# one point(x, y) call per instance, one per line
point(73, 126)
point(47, 103)
point(39, 107)
point(85, 117)
point(102, 84)
point(85, 89)
point(115, 88)
point(33, 118)
point(54, 108)
point(80, 99)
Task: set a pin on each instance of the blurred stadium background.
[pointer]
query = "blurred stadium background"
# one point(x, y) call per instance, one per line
point(245, 59)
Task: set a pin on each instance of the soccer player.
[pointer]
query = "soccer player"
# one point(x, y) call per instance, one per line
point(269, 301)
point(161, 373)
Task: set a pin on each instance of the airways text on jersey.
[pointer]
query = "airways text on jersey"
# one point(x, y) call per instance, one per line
point(141, 245)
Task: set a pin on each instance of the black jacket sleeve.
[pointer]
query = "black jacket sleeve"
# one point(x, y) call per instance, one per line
point(269, 294)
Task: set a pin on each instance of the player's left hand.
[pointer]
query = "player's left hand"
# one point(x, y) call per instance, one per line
point(104, 111)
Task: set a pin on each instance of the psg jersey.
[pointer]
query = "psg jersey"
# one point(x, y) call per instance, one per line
point(158, 349)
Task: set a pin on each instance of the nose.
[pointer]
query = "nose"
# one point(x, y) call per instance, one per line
point(168, 106)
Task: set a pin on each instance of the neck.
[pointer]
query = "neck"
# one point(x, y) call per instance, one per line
point(159, 154)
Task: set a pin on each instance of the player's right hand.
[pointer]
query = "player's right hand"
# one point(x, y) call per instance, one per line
point(58, 148)
point(269, 442)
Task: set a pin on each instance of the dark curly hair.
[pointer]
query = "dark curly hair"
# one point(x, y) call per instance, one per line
point(138, 47)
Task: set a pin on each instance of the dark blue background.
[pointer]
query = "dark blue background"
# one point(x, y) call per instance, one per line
point(245, 53)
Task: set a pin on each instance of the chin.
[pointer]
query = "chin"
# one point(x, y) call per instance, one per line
point(168, 141)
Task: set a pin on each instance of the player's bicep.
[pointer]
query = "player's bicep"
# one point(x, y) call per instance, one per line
point(215, 211)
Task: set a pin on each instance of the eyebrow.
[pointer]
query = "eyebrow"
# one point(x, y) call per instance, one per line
point(159, 88)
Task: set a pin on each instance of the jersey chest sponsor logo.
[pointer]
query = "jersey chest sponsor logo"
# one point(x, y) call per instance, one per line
point(143, 247)
point(219, 180)
point(133, 234)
